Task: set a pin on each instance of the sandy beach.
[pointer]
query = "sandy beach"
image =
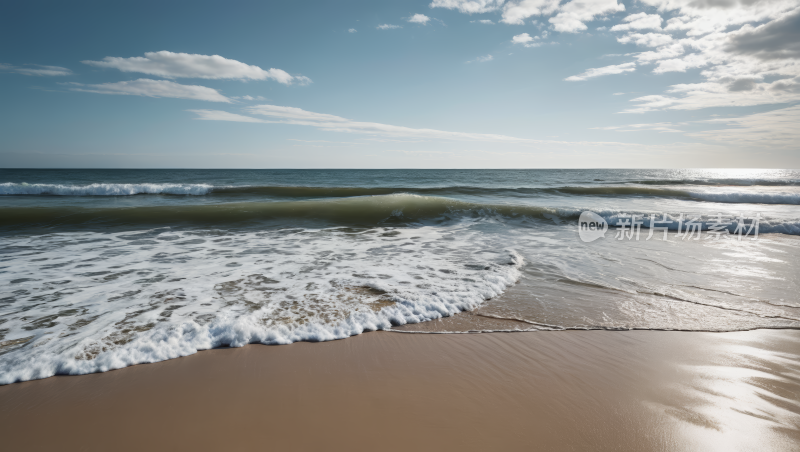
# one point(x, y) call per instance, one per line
point(593, 390)
point(436, 225)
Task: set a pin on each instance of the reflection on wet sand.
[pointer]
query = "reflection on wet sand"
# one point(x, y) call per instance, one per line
point(563, 390)
point(740, 392)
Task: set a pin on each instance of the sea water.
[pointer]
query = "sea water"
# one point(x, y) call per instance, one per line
point(102, 269)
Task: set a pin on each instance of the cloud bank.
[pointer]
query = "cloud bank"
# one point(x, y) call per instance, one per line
point(747, 52)
point(742, 64)
point(570, 17)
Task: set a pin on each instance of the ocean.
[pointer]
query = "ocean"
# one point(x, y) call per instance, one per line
point(103, 269)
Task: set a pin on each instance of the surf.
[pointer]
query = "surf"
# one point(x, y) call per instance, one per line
point(308, 192)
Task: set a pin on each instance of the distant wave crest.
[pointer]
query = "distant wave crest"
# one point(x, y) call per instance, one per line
point(10, 188)
point(732, 196)
point(715, 182)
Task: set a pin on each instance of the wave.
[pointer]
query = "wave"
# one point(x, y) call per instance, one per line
point(749, 198)
point(735, 197)
point(368, 210)
point(340, 192)
point(346, 192)
point(355, 211)
point(713, 182)
point(299, 296)
point(10, 188)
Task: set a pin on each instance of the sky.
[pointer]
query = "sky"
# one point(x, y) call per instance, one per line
point(400, 84)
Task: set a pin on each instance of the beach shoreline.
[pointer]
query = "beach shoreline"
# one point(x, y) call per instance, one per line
point(568, 390)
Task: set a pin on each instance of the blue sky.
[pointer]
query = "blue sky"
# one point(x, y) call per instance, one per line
point(414, 84)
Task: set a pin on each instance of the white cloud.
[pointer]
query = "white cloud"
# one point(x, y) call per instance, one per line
point(639, 21)
point(523, 38)
point(742, 65)
point(36, 69)
point(482, 59)
point(218, 115)
point(249, 98)
point(352, 30)
point(570, 18)
point(699, 17)
point(302, 80)
point(618, 94)
point(645, 39)
point(290, 115)
point(325, 141)
point(419, 19)
point(663, 55)
point(526, 40)
point(185, 65)
point(773, 129)
point(387, 27)
point(482, 21)
point(695, 96)
point(468, 6)
point(153, 88)
point(660, 127)
point(516, 12)
point(572, 15)
point(748, 51)
point(595, 153)
point(606, 70)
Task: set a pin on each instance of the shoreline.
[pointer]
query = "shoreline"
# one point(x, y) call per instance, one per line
point(555, 390)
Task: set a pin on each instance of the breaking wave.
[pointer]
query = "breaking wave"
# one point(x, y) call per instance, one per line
point(8, 188)
point(274, 288)
point(395, 209)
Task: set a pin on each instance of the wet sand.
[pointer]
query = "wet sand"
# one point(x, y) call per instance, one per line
point(571, 390)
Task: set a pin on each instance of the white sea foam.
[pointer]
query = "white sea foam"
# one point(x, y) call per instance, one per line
point(10, 188)
point(76, 303)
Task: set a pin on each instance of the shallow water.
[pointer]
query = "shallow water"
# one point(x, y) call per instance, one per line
point(101, 269)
